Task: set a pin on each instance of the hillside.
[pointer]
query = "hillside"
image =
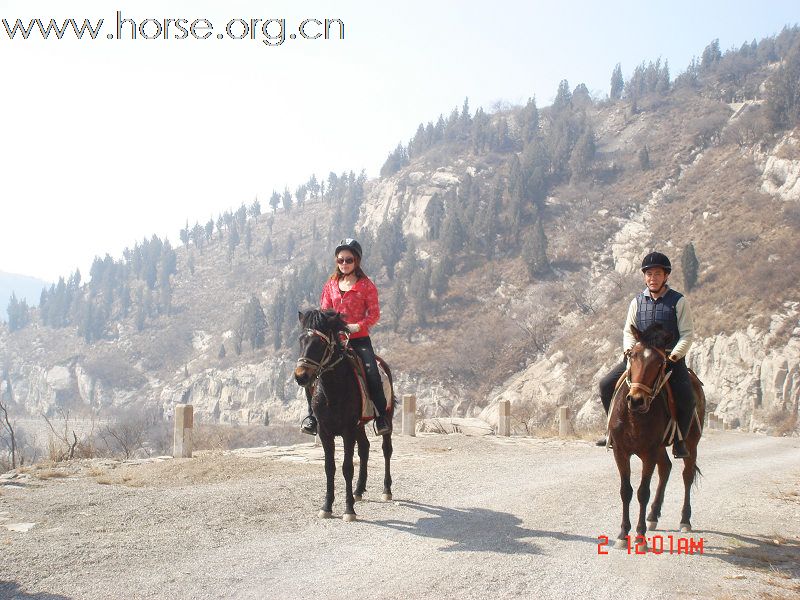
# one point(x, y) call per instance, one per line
point(505, 247)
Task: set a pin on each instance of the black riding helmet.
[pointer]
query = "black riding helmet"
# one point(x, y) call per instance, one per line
point(656, 259)
point(348, 244)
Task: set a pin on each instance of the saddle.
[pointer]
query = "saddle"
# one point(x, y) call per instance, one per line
point(368, 411)
point(668, 404)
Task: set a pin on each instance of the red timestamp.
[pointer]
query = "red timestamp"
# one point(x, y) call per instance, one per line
point(654, 544)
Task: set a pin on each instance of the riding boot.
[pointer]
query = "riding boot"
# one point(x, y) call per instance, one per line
point(606, 386)
point(684, 404)
point(679, 449)
point(363, 346)
point(309, 424)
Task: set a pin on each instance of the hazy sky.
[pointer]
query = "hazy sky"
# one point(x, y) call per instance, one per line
point(107, 141)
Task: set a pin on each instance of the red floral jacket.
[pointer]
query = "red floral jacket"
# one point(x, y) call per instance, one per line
point(358, 305)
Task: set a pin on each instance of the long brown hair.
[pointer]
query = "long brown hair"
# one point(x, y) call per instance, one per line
point(337, 274)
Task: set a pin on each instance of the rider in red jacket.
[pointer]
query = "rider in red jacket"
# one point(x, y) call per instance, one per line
point(350, 292)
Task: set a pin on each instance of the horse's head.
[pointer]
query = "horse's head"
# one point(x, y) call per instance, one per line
point(318, 342)
point(647, 362)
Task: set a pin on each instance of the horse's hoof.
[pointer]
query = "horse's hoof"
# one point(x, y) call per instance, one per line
point(386, 497)
point(651, 525)
point(324, 514)
point(686, 528)
point(349, 517)
point(621, 544)
point(357, 497)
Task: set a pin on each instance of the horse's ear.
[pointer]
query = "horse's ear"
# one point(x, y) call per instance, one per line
point(300, 317)
point(637, 335)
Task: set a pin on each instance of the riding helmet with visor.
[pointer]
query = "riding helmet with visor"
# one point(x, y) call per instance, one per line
point(656, 259)
point(348, 244)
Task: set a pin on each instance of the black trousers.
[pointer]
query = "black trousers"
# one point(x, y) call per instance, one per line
point(679, 381)
point(363, 347)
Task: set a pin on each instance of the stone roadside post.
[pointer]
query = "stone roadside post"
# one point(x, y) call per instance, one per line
point(504, 418)
point(184, 422)
point(409, 415)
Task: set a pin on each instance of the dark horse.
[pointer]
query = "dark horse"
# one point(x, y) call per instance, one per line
point(325, 364)
point(638, 422)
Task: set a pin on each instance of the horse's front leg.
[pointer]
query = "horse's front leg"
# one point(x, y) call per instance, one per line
point(387, 473)
point(689, 470)
point(643, 495)
point(626, 493)
point(664, 468)
point(349, 442)
point(363, 456)
point(329, 448)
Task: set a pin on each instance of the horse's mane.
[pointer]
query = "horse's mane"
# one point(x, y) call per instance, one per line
point(323, 320)
point(656, 336)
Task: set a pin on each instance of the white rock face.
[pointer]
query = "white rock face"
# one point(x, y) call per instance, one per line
point(747, 377)
point(782, 178)
point(408, 195)
point(59, 378)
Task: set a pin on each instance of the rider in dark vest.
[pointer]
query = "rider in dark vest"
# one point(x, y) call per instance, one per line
point(658, 303)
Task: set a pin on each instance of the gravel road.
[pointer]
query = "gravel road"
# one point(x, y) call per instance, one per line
point(472, 517)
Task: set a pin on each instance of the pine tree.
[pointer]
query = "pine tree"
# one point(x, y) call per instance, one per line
point(583, 154)
point(452, 231)
point(644, 158)
point(563, 99)
point(255, 209)
point(274, 200)
point(253, 323)
point(711, 55)
point(248, 237)
point(397, 304)
point(530, 121)
point(617, 83)
point(390, 244)
point(185, 234)
point(287, 200)
point(420, 291)
point(534, 251)
point(690, 266)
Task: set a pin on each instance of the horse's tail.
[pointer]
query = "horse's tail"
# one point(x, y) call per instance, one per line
point(697, 475)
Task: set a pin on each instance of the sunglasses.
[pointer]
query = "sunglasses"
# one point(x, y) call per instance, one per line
point(346, 261)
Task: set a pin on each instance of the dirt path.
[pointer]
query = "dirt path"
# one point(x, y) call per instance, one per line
point(472, 518)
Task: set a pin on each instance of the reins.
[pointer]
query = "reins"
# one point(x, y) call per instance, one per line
point(324, 365)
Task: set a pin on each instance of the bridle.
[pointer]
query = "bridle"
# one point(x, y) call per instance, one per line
point(327, 362)
point(661, 380)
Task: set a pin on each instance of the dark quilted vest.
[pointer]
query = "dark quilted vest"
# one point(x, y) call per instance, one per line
point(663, 310)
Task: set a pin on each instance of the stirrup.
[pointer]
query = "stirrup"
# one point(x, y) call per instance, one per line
point(309, 425)
point(382, 426)
point(679, 449)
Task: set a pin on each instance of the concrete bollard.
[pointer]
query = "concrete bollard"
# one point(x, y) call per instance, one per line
point(504, 418)
point(563, 421)
point(184, 421)
point(410, 415)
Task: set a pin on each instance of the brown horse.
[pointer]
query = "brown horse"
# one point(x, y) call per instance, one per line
point(324, 364)
point(638, 424)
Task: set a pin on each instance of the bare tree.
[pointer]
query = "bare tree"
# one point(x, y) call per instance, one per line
point(66, 451)
point(6, 422)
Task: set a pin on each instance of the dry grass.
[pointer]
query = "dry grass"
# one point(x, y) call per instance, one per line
point(50, 474)
point(776, 557)
point(208, 436)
